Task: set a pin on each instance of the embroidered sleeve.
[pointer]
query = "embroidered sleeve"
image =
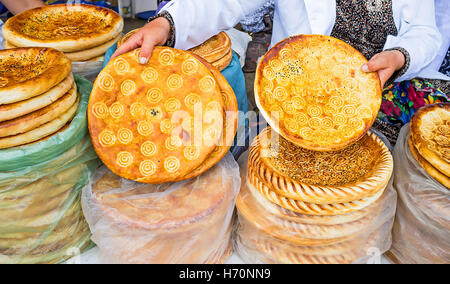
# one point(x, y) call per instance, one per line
point(164, 14)
point(405, 67)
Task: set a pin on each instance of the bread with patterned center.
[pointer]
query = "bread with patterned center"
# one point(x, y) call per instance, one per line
point(357, 172)
point(67, 28)
point(157, 122)
point(311, 90)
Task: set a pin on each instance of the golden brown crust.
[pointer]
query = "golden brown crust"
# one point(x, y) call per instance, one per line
point(29, 72)
point(155, 138)
point(224, 62)
point(432, 171)
point(354, 173)
point(311, 89)
point(14, 110)
point(39, 117)
point(331, 209)
point(41, 131)
point(67, 28)
point(297, 231)
point(229, 123)
point(214, 48)
point(430, 131)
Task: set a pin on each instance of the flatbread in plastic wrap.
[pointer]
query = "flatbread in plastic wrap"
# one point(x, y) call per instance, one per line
point(268, 233)
point(421, 231)
point(41, 220)
point(183, 222)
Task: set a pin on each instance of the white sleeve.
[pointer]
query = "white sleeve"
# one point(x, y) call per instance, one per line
point(197, 20)
point(417, 34)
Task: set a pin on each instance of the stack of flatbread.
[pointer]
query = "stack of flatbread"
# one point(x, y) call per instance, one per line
point(187, 222)
point(430, 141)
point(82, 32)
point(303, 206)
point(169, 120)
point(422, 224)
point(315, 187)
point(216, 50)
point(41, 219)
point(38, 95)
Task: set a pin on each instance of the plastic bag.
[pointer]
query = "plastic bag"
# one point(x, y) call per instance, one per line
point(41, 220)
point(276, 235)
point(183, 222)
point(87, 69)
point(421, 231)
point(17, 158)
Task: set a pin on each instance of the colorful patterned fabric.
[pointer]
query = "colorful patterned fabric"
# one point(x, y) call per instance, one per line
point(401, 100)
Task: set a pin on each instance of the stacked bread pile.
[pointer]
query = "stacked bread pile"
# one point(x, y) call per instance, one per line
point(187, 222)
point(82, 32)
point(41, 217)
point(422, 224)
point(317, 193)
point(216, 50)
point(43, 166)
point(38, 95)
point(170, 120)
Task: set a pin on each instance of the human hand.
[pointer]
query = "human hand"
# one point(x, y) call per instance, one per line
point(152, 34)
point(385, 63)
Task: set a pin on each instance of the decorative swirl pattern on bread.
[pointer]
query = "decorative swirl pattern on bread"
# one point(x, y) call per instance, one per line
point(297, 76)
point(124, 159)
point(149, 112)
point(100, 110)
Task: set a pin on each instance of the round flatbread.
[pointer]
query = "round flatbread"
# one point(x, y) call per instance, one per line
point(430, 131)
point(298, 232)
point(29, 72)
point(37, 118)
point(214, 48)
point(229, 123)
point(155, 123)
point(15, 110)
point(224, 62)
point(92, 54)
point(331, 209)
point(432, 171)
point(311, 90)
point(40, 132)
point(67, 28)
point(357, 172)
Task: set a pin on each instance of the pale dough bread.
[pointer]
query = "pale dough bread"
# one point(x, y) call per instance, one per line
point(67, 28)
point(37, 118)
point(40, 132)
point(11, 111)
point(29, 72)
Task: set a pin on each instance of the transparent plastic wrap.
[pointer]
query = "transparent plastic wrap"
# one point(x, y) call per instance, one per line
point(267, 233)
point(421, 231)
point(88, 69)
point(18, 158)
point(41, 220)
point(183, 222)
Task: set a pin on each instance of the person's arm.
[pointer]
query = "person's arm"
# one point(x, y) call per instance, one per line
point(19, 6)
point(416, 45)
point(194, 21)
